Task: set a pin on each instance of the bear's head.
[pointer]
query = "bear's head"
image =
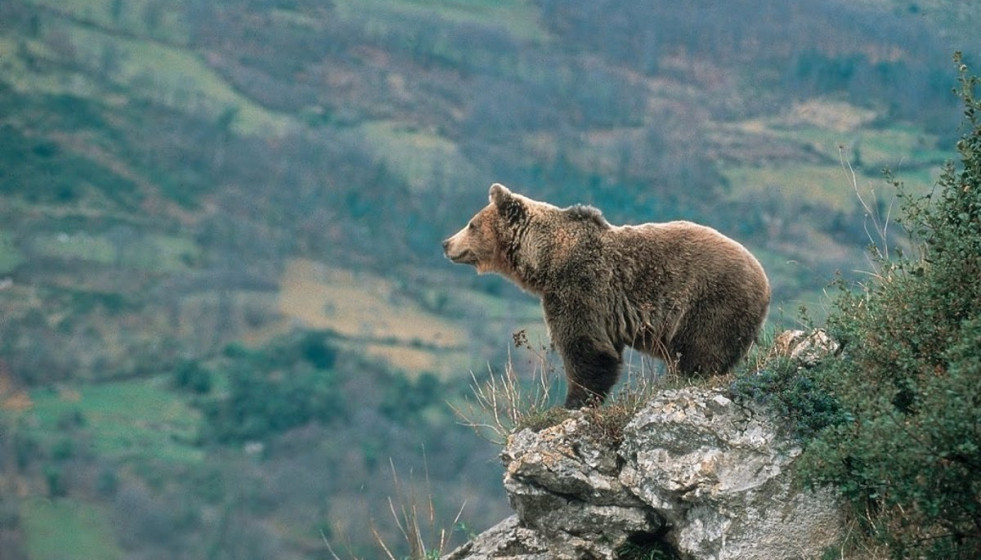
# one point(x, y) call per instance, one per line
point(485, 240)
point(520, 238)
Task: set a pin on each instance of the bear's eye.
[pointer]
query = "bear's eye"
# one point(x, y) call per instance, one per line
point(472, 225)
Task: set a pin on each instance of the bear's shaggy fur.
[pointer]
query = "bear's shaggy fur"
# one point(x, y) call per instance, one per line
point(679, 291)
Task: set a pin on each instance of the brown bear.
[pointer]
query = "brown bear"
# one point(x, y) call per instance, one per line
point(678, 291)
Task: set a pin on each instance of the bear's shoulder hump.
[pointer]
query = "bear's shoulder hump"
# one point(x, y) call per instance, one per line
point(584, 213)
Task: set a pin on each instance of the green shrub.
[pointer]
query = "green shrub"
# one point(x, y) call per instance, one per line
point(404, 400)
point(262, 403)
point(792, 394)
point(191, 376)
point(910, 381)
point(54, 476)
point(316, 350)
point(275, 388)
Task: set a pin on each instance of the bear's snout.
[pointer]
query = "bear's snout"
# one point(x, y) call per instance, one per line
point(457, 251)
point(447, 245)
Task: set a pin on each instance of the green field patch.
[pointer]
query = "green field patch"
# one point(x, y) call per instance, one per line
point(820, 185)
point(161, 20)
point(519, 18)
point(76, 246)
point(848, 139)
point(174, 77)
point(162, 72)
point(418, 156)
point(156, 253)
point(10, 257)
point(289, 17)
point(161, 253)
point(59, 529)
point(127, 420)
point(871, 149)
point(856, 160)
point(22, 75)
point(853, 145)
point(900, 146)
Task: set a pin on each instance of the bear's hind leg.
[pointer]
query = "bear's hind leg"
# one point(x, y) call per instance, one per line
point(713, 351)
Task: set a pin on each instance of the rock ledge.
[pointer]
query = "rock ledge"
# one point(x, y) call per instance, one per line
point(706, 477)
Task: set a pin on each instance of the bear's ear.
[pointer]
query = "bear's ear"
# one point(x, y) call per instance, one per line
point(498, 193)
point(510, 207)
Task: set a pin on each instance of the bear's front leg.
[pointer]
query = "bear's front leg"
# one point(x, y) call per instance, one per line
point(591, 369)
point(591, 359)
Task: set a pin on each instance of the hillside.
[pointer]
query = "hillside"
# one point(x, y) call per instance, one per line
point(185, 163)
point(191, 182)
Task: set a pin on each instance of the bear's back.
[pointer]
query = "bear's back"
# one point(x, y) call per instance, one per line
point(687, 261)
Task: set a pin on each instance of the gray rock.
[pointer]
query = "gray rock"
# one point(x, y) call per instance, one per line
point(721, 477)
point(807, 348)
point(709, 477)
point(507, 540)
point(565, 484)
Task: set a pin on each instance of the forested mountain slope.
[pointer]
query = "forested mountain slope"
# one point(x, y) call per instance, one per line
point(188, 149)
point(189, 188)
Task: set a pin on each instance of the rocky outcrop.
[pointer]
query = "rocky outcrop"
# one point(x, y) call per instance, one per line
point(693, 474)
point(807, 348)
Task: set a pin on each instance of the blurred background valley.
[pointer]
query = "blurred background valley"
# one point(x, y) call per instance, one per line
point(224, 312)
